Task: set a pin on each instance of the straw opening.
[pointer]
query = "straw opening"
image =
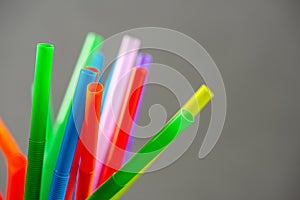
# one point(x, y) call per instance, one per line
point(45, 45)
point(187, 115)
point(95, 87)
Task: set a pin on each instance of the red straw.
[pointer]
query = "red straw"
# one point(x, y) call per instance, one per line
point(121, 134)
point(1, 195)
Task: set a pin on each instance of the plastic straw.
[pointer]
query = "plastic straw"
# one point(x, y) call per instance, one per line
point(97, 62)
point(87, 145)
point(195, 104)
point(92, 43)
point(115, 92)
point(198, 100)
point(121, 134)
point(49, 129)
point(143, 60)
point(124, 189)
point(71, 187)
point(153, 148)
point(40, 107)
point(145, 155)
point(106, 85)
point(16, 163)
point(68, 147)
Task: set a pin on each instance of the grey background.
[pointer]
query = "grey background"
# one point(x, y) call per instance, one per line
point(256, 46)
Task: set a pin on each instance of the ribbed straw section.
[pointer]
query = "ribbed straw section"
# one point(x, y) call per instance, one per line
point(35, 155)
point(61, 183)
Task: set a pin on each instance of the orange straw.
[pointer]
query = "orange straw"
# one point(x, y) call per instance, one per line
point(87, 146)
point(16, 163)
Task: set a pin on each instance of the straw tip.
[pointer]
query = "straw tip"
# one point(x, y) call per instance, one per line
point(87, 72)
point(205, 89)
point(45, 46)
point(135, 41)
point(94, 35)
point(187, 115)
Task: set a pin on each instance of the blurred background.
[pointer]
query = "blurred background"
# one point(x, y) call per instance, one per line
point(255, 44)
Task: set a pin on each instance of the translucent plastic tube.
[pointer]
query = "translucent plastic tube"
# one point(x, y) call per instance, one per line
point(115, 93)
point(106, 85)
point(67, 150)
point(87, 145)
point(16, 164)
point(195, 104)
point(40, 107)
point(121, 134)
point(144, 61)
point(124, 178)
point(92, 43)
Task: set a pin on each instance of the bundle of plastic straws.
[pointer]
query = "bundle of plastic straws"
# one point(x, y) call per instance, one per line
point(82, 153)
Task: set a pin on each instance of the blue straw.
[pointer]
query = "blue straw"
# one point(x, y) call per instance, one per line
point(97, 62)
point(62, 170)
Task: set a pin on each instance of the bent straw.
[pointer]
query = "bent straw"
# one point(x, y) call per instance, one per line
point(123, 178)
point(121, 134)
point(92, 43)
point(115, 92)
point(61, 173)
point(16, 163)
point(143, 60)
point(87, 144)
point(40, 107)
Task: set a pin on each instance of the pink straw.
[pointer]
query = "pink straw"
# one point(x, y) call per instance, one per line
point(114, 100)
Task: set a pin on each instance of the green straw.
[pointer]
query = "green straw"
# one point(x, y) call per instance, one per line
point(49, 129)
point(91, 44)
point(38, 128)
point(121, 181)
point(194, 105)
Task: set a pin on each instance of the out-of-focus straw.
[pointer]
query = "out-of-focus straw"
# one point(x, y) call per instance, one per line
point(16, 164)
